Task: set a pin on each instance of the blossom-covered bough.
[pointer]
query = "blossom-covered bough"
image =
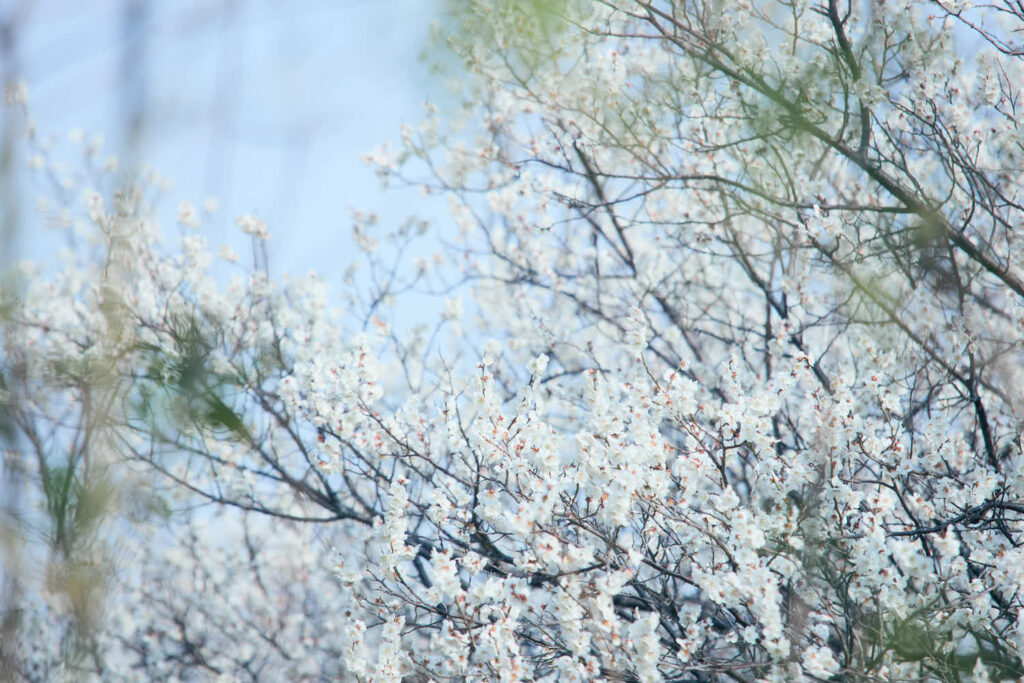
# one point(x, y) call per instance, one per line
point(727, 384)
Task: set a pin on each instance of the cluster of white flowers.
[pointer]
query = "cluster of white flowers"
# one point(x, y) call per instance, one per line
point(744, 399)
point(251, 225)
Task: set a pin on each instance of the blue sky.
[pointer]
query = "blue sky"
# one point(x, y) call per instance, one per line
point(265, 105)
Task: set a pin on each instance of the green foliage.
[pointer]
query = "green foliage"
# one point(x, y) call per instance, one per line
point(531, 29)
point(74, 504)
point(182, 391)
point(911, 640)
point(8, 306)
point(914, 640)
point(548, 15)
point(6, 413)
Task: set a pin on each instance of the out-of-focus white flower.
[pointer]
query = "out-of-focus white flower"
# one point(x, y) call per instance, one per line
point(187, 215)
point(638, 332)
point(452, 308)
point(947, 543)
point(16, 93)
point(228, 254)
point(538, 364)
point(251, 225)
point(492, 349)
point(95, 205)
